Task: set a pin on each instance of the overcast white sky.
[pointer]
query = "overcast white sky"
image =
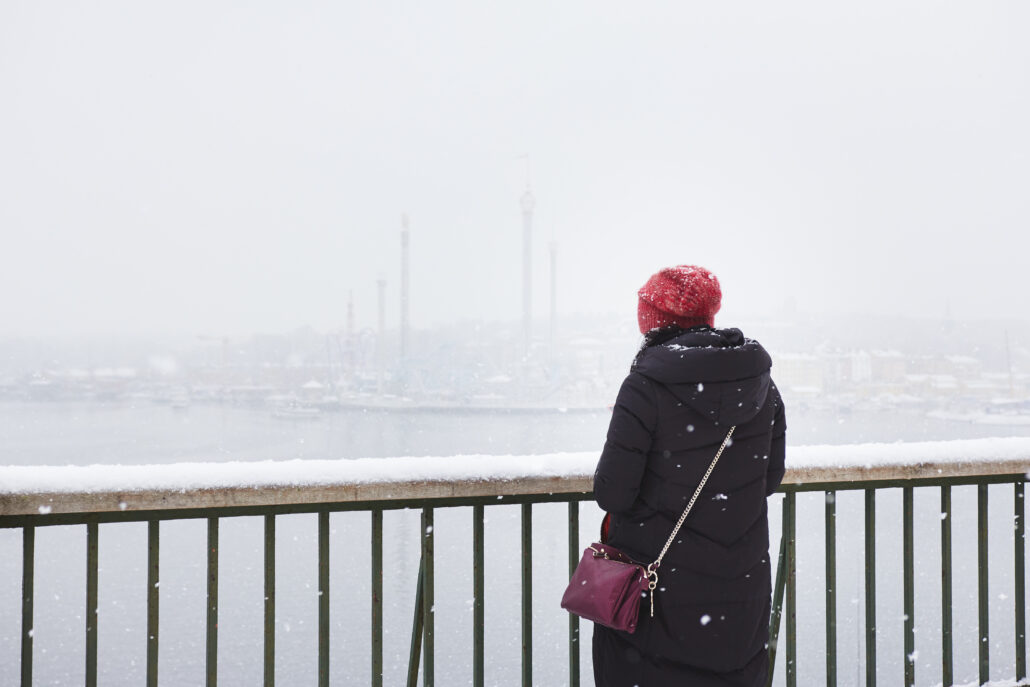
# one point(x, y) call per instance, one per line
point(224, 168)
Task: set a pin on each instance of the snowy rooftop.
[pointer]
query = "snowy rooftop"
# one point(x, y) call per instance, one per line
point(45, 489)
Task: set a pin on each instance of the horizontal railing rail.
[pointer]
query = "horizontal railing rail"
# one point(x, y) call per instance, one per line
point(32, 497)
point(127, 489)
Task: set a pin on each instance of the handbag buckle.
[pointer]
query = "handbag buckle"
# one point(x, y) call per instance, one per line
point(652, 584)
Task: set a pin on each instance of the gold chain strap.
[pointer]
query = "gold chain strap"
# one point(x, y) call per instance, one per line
point(652, 570)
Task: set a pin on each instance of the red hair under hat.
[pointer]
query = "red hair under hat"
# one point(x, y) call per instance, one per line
point(685, 295)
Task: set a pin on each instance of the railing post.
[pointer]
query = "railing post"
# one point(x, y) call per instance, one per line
point(790, 520)
point(527, 595)
point(428, 593)
point(28, 573)
point(478, 590)
point(870, 587)
point(323, 599)
point(947, 658)
point(982, 586)
point(269, 634)
point(211, 667)
point(777, 602)
point(153, 598)
point(92, 565)
point(416, 626)
point(574, 643)
point(377, 597)
point(908, 585)
point(1020, 575)
point(831, 588)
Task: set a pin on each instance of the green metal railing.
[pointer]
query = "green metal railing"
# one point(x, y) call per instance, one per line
point(422, 651)
point(787, 566)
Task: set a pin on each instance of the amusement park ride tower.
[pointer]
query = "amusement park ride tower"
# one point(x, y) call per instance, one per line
point(528, 203)
point(405, 287)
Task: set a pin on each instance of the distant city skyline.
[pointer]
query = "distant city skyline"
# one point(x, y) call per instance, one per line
point(783, 333)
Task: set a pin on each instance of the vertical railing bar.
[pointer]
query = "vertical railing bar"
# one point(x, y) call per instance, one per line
point(790, 504)
point(777, 602)
point(870, 587)
point(1020, 575)
point(982, 586)
point(428, 596)
point(211, 667)
point(153, 598)
point(908, 586)
point(92, 568)
point(377, 597)
point(269, 634)
point(527, 594)
point(574, 643)
point(28, 579)
point(831, 588)
point(323, 599)
point(478, 590)
point(947, 657)
point(415, 652)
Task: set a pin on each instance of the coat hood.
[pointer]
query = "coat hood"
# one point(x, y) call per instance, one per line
point(718, 372)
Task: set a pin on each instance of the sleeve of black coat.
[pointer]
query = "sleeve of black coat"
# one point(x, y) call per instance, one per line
point(778, 450)
point(621, 467)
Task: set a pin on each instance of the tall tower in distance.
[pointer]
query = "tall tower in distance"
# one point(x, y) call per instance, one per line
point(381, 337)
point(405, 287)
point(554, 297)
point(350, 316)
point(528, 203)
point(352, 356)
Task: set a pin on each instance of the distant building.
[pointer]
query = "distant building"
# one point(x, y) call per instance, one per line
point(799, 373)
point(887, 367)
point(962, 366)
point(861, 367)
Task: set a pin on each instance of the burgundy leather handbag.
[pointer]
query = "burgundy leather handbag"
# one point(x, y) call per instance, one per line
point(608, 586)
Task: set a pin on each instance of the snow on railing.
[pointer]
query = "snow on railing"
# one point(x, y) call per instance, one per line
point(27, 490)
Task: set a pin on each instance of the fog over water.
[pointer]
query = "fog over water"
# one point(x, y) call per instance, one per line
point(235, 167)
point(200, 202)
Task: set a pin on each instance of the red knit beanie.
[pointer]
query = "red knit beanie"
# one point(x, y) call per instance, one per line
point(685, 295)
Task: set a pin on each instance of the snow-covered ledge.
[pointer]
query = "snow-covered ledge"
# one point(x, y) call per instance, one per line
point(28, 490)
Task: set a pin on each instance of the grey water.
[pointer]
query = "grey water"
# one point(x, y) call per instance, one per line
point(83, 433)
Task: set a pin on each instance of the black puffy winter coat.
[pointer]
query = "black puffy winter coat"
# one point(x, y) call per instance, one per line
point(682, 395)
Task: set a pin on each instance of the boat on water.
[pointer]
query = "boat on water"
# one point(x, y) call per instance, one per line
point(296, 412)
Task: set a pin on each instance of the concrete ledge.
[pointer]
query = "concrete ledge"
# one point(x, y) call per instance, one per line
point(43, 490)
point(230, 497)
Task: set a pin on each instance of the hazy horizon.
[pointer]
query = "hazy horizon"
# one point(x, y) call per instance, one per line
point(230, 168)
